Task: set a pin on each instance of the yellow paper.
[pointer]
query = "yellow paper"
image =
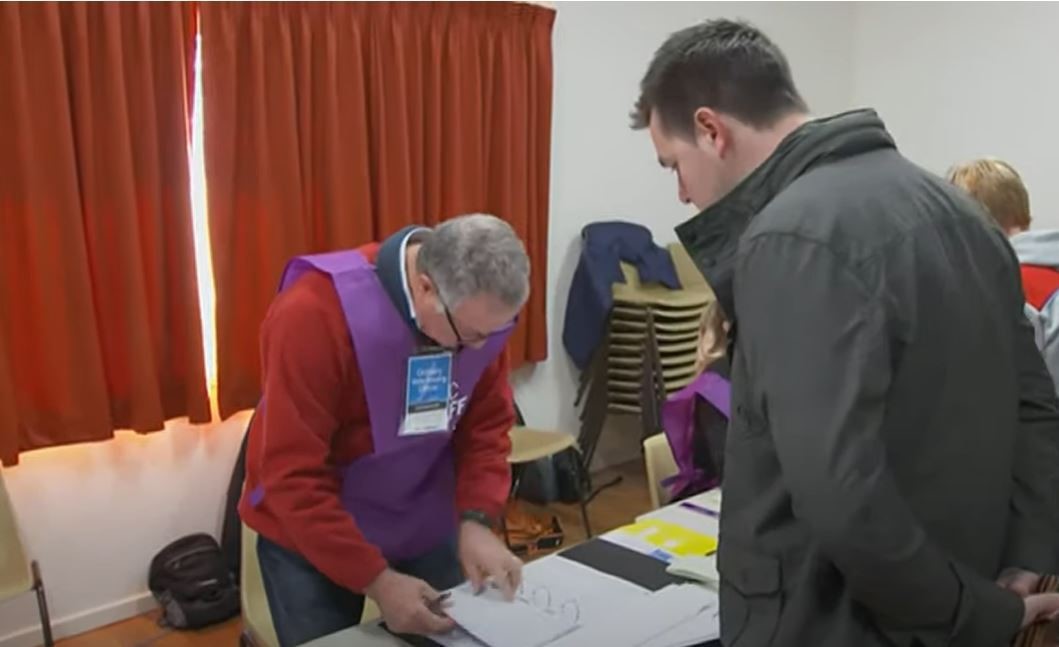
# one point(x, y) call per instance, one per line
point(672, 538)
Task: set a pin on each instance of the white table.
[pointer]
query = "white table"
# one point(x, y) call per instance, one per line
point(372, 635)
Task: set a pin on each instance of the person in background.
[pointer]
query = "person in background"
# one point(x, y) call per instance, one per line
point(713, 340)
point(377, 459)
point(997, 186)
point(891, 458)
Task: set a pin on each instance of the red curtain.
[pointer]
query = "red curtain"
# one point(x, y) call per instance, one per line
point(331, 125)
point(99, 316)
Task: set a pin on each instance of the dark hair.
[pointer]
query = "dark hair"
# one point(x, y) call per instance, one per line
point(726, 65)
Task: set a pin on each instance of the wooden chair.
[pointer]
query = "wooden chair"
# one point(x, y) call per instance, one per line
point(258, 630)
point(529, 445)
point(19, 575)
point(257, 617)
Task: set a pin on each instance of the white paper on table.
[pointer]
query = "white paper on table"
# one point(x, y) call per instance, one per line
point(611, 611)
point(706, 625)
point(501, 623)
point(634, 622)
point(710, 499)
point(594, 590)
point(568, 584)
point(601, 596)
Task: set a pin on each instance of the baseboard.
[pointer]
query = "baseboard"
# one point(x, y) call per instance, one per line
point(83, 621)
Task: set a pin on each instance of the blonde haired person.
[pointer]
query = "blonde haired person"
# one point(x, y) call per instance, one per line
point(998, 187)
point(713, 337)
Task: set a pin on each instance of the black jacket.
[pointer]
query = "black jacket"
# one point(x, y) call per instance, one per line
point(894, 432)
point(604, 246)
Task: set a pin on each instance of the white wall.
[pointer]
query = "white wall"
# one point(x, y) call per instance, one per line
point(603, 170)
point(960, 80)
point(95, 514)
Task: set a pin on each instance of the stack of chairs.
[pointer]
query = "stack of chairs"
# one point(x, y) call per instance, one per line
point(653, 336)
point(648, 352)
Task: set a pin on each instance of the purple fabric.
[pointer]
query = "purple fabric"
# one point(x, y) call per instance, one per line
point(403, 494)
point(678, 420)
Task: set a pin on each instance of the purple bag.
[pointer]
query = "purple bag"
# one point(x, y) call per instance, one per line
point(678, 420)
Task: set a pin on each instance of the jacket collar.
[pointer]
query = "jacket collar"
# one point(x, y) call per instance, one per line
point(712, 236)
point(389, 267)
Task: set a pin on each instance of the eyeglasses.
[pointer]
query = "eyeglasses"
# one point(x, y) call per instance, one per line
point(460, 339)
point(477, 339)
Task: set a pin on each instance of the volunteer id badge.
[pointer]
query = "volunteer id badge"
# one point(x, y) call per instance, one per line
point(427, 393)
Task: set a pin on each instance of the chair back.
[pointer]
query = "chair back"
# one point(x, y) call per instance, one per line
point(257, 617)
point(16, 575)
point(660, 464)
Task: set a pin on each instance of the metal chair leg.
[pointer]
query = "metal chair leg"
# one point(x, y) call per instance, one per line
point(516, 479)
point(42, 605)
point(582, 495)
point(584, 516)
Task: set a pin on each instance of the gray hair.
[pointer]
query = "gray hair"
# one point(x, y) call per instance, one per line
point(476, 254)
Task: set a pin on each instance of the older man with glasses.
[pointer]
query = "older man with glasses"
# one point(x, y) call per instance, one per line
point(377, 459)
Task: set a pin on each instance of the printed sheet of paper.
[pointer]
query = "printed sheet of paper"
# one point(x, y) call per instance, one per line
point(689, 518)
point(662, 539)
point(566, 604)
point(575, 593)
point(705, 625)
point(524, 622)
point(637, 623)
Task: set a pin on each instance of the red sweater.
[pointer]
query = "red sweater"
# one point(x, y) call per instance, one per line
point(1039, 284)
point(316, 417)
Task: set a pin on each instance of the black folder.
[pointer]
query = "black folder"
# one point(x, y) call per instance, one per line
point(612, 559)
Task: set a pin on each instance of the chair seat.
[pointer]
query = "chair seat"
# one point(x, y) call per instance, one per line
point(528, 445)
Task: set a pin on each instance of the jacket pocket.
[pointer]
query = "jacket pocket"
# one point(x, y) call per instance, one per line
point(751, 597)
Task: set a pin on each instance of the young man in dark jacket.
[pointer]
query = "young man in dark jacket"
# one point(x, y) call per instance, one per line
point(890, 475)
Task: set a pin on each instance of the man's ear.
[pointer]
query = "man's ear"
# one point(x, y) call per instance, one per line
point(426, 286)
point(711, 131)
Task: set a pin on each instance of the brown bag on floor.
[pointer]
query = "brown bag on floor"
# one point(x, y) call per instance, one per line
point(528, 533)
point(1043, 633)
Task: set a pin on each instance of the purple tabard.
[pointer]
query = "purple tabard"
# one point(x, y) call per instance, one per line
point(402, 495)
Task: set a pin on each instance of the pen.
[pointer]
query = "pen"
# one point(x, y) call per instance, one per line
point(435, 605)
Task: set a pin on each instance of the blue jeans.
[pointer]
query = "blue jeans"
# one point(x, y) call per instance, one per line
point(306, 605)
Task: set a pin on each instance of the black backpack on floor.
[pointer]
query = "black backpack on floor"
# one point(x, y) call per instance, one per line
point(191, 581)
